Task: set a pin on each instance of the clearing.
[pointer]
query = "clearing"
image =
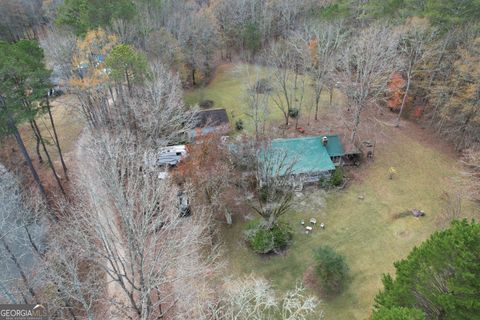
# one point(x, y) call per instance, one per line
point(365, 231)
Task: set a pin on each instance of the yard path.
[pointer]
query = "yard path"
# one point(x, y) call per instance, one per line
point(105, 214)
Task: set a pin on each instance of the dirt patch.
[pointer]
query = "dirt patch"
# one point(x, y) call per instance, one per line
point(310, 281)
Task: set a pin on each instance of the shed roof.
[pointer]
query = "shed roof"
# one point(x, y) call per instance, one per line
point(211, 118)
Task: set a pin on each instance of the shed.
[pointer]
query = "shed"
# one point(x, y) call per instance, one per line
point(209, 121)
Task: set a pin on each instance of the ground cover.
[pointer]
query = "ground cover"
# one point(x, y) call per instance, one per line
point(362, 221)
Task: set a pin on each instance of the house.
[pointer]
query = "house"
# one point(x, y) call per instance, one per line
point(210, 121)
point(310, 158)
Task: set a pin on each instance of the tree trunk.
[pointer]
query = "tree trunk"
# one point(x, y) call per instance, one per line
point(397, 124)
point(49, 158)
point(287, 118)
point(37, 141)
point(331, 95)
point(57, 143)
point(317, 101)
point(129, 85)
point(356, 122)
point(20, 270)
point(24, 151)
point(193, 77)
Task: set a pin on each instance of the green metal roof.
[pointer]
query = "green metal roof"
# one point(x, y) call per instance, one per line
point(334, 146)
point(308, 153)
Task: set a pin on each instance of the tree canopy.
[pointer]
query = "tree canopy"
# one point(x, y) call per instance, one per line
point(23, 80)
point(441, 277)
point(83, 15)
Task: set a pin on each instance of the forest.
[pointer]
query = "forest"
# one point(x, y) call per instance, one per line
point(240, 159)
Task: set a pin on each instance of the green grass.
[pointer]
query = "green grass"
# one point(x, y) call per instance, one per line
point(228, 90)
point(364, 231)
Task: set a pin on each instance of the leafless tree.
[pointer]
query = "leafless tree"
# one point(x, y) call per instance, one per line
point(324, 43)
point(364, 68)
point(21, 243)
point(285, 66)
point(414, 51)
point(254, 298)
point(130, 227)
point(274, 174)
point(59, 47)
point(257, 96)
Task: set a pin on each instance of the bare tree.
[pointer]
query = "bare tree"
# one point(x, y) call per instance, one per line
point(274, 174)
point(257, 96)
point(414, 50)
point(253, 298)
point(21, 234)
point(285, 66)
point(132, 229)
point(324, 42)
point(364, 68)
point(59, 47)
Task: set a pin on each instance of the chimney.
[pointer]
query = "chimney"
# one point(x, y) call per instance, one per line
point(324, 140)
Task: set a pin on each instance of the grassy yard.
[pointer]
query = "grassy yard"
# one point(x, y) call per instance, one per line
point(228, 90)
point(364, 231)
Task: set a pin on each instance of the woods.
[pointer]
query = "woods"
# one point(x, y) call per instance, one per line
point(114, 222)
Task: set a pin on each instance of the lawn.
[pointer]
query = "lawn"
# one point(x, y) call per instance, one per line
point(228, 90)
point(364, 231)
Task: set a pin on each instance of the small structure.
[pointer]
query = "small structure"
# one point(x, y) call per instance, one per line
point(171, 155)
point(209, 121)
point(165, 158)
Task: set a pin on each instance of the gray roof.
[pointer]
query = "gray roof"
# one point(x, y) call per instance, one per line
point(211, 118)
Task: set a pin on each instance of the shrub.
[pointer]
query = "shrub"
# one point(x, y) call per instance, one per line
point(324, 183)
point(337, 177)
point(206, 104)
point(239, 125)
point(263, 86)
point(293, 113)
point(331, 269)
point(264, 240)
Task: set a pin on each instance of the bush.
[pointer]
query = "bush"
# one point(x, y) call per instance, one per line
point(337, 177)
point(331, 269)
point(239, 125)
point(263, 86)
point(324, 183)
point(206, 104)
point(293, 113)
point(264, 240)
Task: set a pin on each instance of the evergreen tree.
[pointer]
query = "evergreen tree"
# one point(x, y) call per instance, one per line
point(441, 277)
point(23, 82)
